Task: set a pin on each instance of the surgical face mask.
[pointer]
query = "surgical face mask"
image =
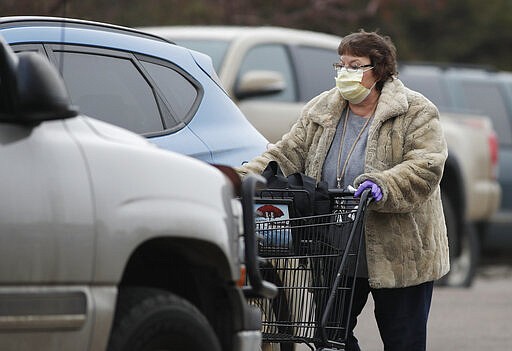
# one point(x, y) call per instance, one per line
point(350, 87)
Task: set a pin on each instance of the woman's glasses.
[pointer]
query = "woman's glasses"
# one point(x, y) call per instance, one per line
point(351, 68)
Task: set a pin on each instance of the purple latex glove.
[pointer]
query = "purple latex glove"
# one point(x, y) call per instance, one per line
point(375, 190)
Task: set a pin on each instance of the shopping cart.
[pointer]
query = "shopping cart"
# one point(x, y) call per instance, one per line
point(312, 260)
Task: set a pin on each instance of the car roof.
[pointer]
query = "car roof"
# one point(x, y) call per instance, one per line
point(445, 66)
point(46, 21)
point(229, 33)
point(27, 29)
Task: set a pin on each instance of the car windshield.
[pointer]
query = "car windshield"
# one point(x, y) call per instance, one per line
point(216, 49)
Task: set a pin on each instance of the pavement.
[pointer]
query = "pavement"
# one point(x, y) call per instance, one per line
point(469, 319)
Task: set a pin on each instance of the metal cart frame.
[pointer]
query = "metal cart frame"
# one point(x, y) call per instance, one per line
point(313, 261)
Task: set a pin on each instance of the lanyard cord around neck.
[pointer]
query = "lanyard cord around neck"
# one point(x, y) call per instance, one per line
point(341, 174)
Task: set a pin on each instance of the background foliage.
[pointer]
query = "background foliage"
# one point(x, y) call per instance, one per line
point(456, 31)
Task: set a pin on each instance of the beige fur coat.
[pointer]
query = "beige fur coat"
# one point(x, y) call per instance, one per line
point(406, 242)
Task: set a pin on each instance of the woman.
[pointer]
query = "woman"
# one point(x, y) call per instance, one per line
point(373, 132)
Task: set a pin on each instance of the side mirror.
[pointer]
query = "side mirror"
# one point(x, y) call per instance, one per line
point(259, 83)
point(31, 89)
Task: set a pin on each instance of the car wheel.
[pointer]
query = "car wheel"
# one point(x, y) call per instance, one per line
point(151, 319)
point(463, 265)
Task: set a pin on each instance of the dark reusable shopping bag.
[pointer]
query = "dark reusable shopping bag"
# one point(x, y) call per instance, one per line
point(309, 197)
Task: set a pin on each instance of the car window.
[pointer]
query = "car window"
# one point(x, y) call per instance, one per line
point(28, 47)
point(315, 71)
point(179, 92)
point(271, 57)
point(216, 49)
point(486, 97)
point(111, 89)
point(428, 84)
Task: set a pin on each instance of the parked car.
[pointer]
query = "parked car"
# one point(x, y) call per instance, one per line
point(143, 83)
point(271, 72)
point(110, 242)
point(482, 91)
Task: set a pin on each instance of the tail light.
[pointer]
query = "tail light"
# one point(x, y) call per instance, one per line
point(492, 141)
point(242, 281)
point(493, 150)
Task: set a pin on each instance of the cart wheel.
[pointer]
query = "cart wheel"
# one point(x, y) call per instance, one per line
point(463, 265)
point(151, 319)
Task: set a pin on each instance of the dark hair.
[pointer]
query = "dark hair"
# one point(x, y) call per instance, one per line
point(380, 49)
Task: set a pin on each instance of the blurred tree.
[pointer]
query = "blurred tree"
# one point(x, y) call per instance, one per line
point(322, 15)
point(461, 31)
point(465, 31)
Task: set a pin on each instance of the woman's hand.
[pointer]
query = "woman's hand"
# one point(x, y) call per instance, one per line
point(368, 184)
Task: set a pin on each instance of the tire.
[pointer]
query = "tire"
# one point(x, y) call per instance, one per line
point(151, 319)
point(464, 263)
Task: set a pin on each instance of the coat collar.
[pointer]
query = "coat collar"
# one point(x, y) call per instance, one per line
point(326, 110)
point(392, 101)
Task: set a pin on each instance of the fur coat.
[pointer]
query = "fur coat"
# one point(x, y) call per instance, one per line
point(406, 241)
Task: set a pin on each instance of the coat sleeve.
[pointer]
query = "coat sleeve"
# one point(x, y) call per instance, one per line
point(291, 151)
point(409, 183)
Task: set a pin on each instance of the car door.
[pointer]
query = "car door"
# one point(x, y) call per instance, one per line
point(111, 85)
point(46, 202)
point(48, 239)
point(305, 70)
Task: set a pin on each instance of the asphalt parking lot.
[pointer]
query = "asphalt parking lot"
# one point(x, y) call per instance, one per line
point(478, 318)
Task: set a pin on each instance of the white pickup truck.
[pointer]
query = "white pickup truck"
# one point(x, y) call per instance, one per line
point(270, 72)
point(470, 191)
point(106, 241)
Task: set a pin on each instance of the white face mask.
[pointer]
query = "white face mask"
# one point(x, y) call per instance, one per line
point(350, 87)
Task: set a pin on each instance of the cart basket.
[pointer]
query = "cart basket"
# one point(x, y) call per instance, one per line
point(313, 261)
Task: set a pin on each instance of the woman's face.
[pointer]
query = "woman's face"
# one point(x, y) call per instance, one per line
point(356, 61)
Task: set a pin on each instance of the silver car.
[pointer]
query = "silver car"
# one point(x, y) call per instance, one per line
point(107, 241)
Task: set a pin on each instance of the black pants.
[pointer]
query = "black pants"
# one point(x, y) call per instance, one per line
point(401, 315)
